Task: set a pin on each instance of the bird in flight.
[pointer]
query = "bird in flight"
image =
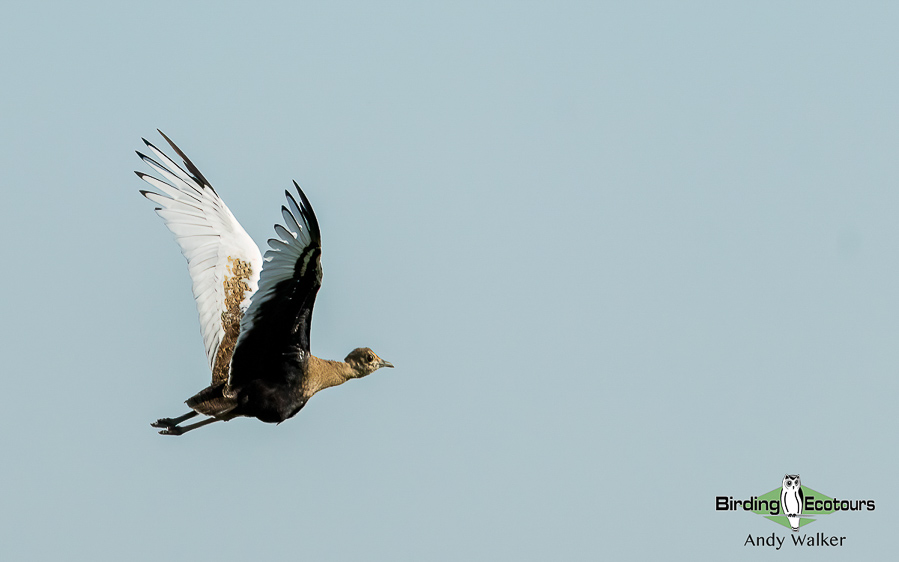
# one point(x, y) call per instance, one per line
point(255, 311)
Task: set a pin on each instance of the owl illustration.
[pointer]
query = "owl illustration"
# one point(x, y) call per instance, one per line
point(791, 500)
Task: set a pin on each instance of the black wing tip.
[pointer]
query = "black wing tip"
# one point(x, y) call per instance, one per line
point(315, 231)
point(144, 176)
point(306, 203)
point(307, 206)
point(174, 146)
point(198, 175)
point(147, 159)
point(150, 145)
point(146, 193)
point(307, 210)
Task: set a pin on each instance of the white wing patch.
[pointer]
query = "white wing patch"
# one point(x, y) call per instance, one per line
point(223, 261)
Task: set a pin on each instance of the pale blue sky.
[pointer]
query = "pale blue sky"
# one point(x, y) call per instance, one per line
point(625, 257)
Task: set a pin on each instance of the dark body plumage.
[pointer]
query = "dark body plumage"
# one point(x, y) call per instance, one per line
point(257, 339)
point(273, 359)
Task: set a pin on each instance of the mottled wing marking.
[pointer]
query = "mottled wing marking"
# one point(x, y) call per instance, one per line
point(236, 286)
point(223, 261)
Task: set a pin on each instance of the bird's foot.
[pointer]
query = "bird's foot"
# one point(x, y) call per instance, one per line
point(171, 430)
point(164, 422)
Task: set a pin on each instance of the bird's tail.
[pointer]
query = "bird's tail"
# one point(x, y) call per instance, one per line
point(212, 401)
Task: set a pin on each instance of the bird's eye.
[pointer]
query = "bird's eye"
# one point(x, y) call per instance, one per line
point(371, 357)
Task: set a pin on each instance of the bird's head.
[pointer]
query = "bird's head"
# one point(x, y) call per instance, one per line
point(364, 361)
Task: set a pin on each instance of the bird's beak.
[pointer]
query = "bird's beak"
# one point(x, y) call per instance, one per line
point(386, 364)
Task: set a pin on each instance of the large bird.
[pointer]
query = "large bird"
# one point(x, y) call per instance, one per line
point(255, 312)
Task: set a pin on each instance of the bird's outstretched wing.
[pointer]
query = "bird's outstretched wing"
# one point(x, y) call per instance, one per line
point(223, 260)
point(280, 314)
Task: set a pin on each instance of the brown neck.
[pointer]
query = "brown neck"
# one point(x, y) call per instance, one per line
point(322, 374)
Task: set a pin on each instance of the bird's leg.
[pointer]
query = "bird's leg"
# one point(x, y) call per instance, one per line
point(176, 430)
point(172, 422)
